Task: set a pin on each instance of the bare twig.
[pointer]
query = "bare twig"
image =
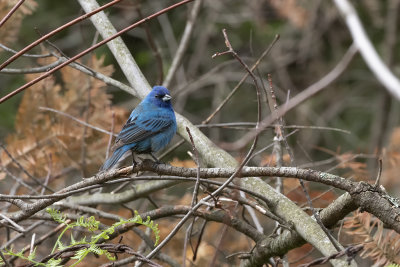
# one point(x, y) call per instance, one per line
point(183, 43)
point(265, 53)
point(18, 179)
point(9, 14)
point(78, 120)
point(367, 50)
point(38, 41)
point(279, 135)
point(154, 48)
point(298, 99)
point(258, 93)
point(246, 126)
point(84, 131)
point(196, 153)
point(378, 176)
point(32, 243)
point(46, 181)
point(194, 196)
point(20, 89)
point(350, 252)
point(111, 134)
point(38, 182)
point(107, 80)
point(16, 237)
point(25, 55)
point(17, 226)
point(32, 70)
point(43, 238)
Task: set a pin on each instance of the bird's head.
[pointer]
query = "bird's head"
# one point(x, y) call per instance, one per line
point(159, 96)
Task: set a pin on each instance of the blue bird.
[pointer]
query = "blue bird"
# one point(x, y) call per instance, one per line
point(150, 127)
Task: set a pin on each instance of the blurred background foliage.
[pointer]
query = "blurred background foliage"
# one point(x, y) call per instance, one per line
point(313, 39)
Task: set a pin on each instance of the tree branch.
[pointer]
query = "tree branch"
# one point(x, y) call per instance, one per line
point(367, 50)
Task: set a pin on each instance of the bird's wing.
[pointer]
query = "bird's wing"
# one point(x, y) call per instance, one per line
point(137, 128)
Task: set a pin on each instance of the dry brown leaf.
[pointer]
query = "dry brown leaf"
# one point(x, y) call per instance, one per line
point(381, 245)
point(10, 30)
point(41, 136)
point(292, 10)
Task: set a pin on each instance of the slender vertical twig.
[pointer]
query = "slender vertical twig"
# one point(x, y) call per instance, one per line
point(32, 243)
point(280, 135)
point(196, 154)
point(111, 135)
point(84, 132)
point(378, 176)
point(194, 196)
point(46, 181)
point(154, 48)
point(183, 43)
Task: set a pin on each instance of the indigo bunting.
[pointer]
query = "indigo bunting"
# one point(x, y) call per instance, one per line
point(150, 127)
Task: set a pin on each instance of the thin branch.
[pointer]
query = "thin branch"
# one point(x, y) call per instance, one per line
point(78, 121)
point(350, 253)
point(16, 237)
point(18, 180)
point(90, 49)
point(111, 135)
point(183, 43)
point(17, 226)
point(196, 153)
point(367, 50)
point(154, 48)
point(38, 41)
point(378, 176)
point(9, 14)
point(43, 238)
point(258, 93)
point(298, 99)
point(265, 53)
point(25, 55)
point(107, 80)
point(249, 125)
point(194, 196)
point(37, 181)
point(330, 215)
point(32, 70)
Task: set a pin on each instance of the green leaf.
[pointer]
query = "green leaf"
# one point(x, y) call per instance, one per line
point(54, 263)
point(56, 215)
point(109, 256)
point(32, 255)
point(79, 254)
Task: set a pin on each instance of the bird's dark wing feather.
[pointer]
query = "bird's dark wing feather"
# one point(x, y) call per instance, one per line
point(138, 128)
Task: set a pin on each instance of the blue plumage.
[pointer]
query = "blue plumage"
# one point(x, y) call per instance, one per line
point(150, 127)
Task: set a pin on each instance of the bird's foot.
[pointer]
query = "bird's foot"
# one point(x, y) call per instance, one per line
point(134, 163)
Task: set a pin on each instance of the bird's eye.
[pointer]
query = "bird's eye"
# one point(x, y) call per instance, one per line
point(158, 96)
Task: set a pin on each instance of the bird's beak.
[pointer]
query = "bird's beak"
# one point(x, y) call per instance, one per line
point(166, 98)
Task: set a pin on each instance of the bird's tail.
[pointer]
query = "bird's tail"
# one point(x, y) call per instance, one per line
point(111, 161)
